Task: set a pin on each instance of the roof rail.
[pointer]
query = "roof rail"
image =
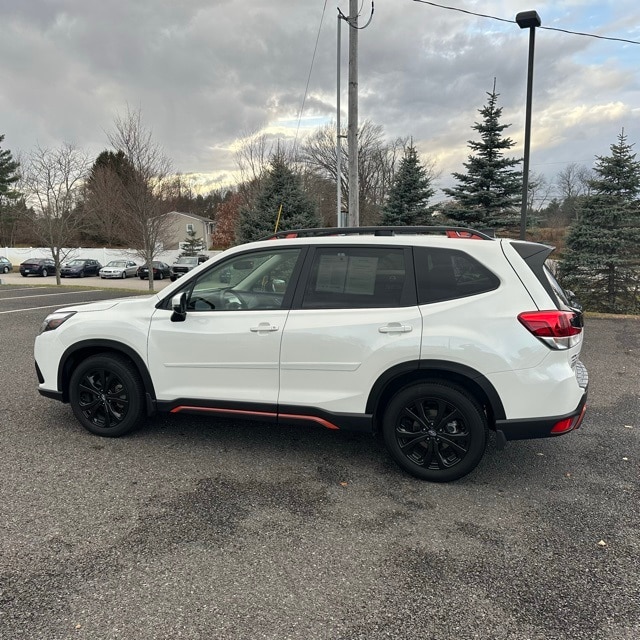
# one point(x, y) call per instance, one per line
point(450, 232)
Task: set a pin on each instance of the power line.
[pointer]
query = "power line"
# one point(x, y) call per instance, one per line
point(484, 15)
point(306, 89)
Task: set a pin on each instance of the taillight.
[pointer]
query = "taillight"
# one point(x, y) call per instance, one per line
point(557, 329)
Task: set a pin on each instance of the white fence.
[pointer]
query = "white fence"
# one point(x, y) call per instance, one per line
point(102, 255)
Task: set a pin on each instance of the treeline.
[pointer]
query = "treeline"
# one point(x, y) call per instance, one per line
point(60, 197)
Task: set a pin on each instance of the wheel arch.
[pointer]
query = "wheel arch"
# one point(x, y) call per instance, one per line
point(87, 348)
point(408, 373)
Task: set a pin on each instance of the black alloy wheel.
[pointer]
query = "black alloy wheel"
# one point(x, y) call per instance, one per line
point(435, 431)
point(106, 395)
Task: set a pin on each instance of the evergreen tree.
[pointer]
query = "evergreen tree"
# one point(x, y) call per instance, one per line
point(489, 192)
point(409, 193)
point(192, 245)
point(9, 197)
point(280, 201)
point(602, 261)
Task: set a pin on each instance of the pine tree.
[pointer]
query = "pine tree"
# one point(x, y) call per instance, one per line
point(280, 201)
point(488, 194)
point(602, 261)
point(192, 245)
point(410, 192)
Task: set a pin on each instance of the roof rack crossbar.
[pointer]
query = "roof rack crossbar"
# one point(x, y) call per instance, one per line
point(455, 232)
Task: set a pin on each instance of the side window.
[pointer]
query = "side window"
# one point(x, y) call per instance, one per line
point(249, 281)
point(356, 278)
point(446, 274)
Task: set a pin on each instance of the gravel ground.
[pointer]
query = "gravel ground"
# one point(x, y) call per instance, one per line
point(199, 529)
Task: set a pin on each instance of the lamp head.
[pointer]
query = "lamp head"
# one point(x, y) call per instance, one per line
point(527, 19)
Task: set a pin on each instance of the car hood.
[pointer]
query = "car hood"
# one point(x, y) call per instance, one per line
point(104, 305)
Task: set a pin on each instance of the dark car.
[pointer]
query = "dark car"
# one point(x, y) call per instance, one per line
point(161, 270)
point(5, 265)
point(184, 264)
point(80, 267)
point(37, 267)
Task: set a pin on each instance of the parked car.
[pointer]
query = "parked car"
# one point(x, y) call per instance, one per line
point(161, 270)
point(38, 267)
point(119, 269)
point(184, 264)
point(80, 267)
point(5, 265)
point(428, 336)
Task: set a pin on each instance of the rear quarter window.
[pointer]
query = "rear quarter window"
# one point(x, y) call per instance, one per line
point(447, 274)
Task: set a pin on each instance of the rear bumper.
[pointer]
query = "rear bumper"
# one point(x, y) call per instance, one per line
point(547, 427)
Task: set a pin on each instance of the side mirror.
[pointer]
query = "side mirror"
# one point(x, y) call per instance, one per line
point(179, 306)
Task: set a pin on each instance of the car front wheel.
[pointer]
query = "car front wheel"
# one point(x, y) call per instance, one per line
point(106, 395)
point(435, 431)
point(45, 273)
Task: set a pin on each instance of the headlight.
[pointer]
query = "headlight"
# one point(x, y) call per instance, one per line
point(54, 320)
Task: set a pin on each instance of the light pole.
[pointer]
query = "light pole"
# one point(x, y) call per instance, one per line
point(527, 20)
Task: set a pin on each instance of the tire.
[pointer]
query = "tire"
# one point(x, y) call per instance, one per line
point(45, 273)
point(5, 270)
point(107, 395)
point(161, 276)
point(124, 275)
point(81, 275)
point(24, 275)
point(435, 431)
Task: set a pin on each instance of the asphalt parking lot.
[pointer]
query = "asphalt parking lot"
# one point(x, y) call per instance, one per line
point(200, 529)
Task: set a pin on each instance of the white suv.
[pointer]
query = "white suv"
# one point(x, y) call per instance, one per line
point(428, 336)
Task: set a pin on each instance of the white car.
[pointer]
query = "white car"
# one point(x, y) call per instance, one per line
point(429, 336)
point(119, 269)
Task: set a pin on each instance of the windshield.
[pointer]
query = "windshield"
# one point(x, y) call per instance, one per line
point(117, 263)
point(187, 260)
point(75, 263)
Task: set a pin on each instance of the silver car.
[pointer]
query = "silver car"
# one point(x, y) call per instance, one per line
point(119, 269)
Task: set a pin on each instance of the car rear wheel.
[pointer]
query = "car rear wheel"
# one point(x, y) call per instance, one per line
point(5, 270)
point(45, 273)
point(160, 275)
point(107, 395)
point(435, 431)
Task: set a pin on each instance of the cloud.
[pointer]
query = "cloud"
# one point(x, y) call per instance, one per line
point(206, 73)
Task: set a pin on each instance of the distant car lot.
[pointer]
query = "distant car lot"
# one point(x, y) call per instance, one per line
point(203, 528)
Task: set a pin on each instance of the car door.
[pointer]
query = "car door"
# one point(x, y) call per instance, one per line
point(355, 318)
point(226, 351)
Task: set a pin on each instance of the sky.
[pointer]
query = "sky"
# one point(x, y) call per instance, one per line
point(206, 74)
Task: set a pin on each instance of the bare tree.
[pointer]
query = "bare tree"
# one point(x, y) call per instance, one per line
point(573, 183)
point(377, 164)
point(144, 202)
point(539, 191)
point(253, 158)
point(52, 181)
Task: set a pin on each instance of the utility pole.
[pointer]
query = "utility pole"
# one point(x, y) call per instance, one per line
point(352, 131)
point(339, 221)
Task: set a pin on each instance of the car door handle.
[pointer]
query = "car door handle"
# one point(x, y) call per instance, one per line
point(264, 327)
point(395, 327)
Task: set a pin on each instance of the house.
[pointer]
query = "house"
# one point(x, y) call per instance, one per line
point(183, 223)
